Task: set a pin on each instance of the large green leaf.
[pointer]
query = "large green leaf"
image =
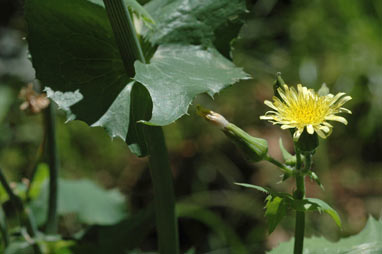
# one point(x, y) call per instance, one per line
point(204, 22)
point(78, 59)
point(369, 241)
point(73, 47)
point(88, 201)
point(178, 73)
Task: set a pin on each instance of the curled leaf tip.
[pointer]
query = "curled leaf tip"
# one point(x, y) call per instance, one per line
point(212, 117)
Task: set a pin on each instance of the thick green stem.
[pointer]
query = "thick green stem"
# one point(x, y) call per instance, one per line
point(124, 33)
point(50, 127)
point(163, 189)
point(300, 215)
point(299, 233)
point(160, 170)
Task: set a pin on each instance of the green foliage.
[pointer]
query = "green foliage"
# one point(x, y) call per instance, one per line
point(38, 181)
point(190, 70)
point(89, 202)
point(368, 241)
point(276, 209)
point(19, 247)
point(196, 22)
point(47, 245)
point(278, 204)
point(78, 52)
point(321, 206)
point(176, 74)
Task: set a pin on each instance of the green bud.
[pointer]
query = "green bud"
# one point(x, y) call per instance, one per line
point(255, 149)
point(307, 143)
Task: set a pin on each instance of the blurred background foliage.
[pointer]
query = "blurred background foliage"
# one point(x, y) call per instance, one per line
point(338, 42)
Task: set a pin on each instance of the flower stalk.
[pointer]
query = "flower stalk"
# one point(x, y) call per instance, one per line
point(300, 215)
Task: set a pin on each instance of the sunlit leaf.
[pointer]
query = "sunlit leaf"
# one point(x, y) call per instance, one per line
point(89, 202)
point(176, 74)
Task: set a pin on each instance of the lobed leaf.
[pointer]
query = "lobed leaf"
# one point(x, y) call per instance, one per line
point(78, 59)
point(178, 73)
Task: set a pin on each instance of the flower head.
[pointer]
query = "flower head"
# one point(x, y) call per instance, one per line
point(305, 108)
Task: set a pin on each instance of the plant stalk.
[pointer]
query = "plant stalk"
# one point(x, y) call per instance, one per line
point(50, 127)
point(283, 167)
point(130, 50)
point(300, 215)
point(164, 199)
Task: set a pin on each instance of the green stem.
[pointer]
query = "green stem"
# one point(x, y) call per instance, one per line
point(164, 191)
point(50, 126)
point(124, 33)
point(284, 168)
point(300, 215)
point(160, 170)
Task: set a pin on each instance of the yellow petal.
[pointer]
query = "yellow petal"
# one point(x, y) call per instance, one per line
point(310, 129)
point(297, 134)
point(270, 104)
point(320, 133)
point(337, 118)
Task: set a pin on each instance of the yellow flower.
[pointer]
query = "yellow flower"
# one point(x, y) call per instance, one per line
point(304, 108)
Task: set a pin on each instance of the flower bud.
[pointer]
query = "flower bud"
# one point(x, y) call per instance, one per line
point(212, 117)
point(255, 149)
